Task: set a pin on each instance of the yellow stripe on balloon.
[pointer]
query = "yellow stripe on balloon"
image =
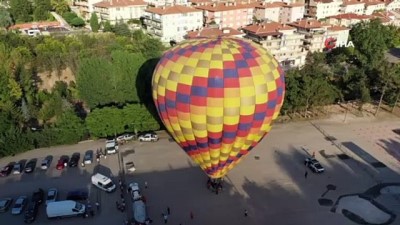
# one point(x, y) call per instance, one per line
point(186, 79)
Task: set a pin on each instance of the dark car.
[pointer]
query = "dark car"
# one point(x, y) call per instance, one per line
point(31, 212)
point(5, 204)
point(74, 160)
point(314, 165)
point(6, 170)
point(38, 196)
point(30, 166)
point(77, 195)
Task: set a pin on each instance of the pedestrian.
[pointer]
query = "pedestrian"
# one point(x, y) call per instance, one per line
point(98, 206)
point(313, 154)
point(145, 185)
point(120, 182)
point(91, 213)
point(168, 211)
point(165, 218)
point(117, 205)
point(245, 213)
point(191, 215)
point(122, 195)
point(306, 174)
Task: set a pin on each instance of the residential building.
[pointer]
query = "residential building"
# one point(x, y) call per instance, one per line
point(117, 10)
point(158, 3)
point(85, 7)
point(388, 18)
point(38, 28)
point(214, 32)
point(281, 40)
point(321, 9)
point(392, 4)
point(228, 14)
point(199, 2)
point(353, 6)
point(347, 19)
point(373, 5)
point(280, 12)
point(172, 22)
point(314, 33)
point(339, 33)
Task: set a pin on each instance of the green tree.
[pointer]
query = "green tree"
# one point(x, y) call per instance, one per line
point(50, 55)
point(69, 16)
point(69, 128)
point(389, 79)
point(42, 10)
point(94, 22)
point(122, 29)
point(107, 27)
point(77, 22)
point(5, 18)
point(60, 6)
point(21, 10)
point(105, 122)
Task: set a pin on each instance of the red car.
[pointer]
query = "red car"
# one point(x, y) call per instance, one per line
point(61, 164)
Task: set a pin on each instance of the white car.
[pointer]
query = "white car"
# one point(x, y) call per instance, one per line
point(133, 188)
point(111, 147)
point(45, 164)
point(88, 158)
point(125, 137)
point(148, 137)
point(52, 194)
point(19, 205)
point(17, 168)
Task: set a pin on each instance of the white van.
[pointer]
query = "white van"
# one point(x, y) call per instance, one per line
point(103, 182)
point(62, 209)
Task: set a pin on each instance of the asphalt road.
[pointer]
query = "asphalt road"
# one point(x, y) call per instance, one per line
point(269, 184)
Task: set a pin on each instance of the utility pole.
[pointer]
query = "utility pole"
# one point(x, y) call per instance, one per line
point(381, 99)
point(395, 102)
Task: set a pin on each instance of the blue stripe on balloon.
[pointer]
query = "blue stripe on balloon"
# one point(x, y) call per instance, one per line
point(230, 73)
point(199, 91)
point(244, 126)
point(215, 82)
point(259, 116)
point(229, 134)
point(214, 140)
point(202, 145)
point(241, 64)
point(183, 98)
point(161, 107)
point(272, 104)
point(171, 104)
point(280, 91)
point(247, 55)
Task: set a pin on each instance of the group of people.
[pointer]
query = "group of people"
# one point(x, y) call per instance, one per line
point(215, 185)
point(121, 206)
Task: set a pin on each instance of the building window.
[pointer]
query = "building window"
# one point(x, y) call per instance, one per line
point(117, 9)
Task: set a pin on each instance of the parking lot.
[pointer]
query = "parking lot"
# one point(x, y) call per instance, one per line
point(270, 183)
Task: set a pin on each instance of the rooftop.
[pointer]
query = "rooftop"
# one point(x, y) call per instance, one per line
point(353, 2)
point(225, 6)
point(307, 24)
point(212, 32)
point(351, 16)
point(337, 28)
point(119, 3)
point(167, 10)
point(267, 28)
point(40, 24)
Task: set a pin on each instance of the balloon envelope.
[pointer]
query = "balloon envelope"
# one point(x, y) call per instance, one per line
point(217, 98)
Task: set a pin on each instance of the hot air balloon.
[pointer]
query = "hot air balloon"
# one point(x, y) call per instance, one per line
point(217, 99)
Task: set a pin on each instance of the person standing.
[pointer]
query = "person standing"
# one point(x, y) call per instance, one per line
point(191, 215)
point(165, 218)
point(168, 211)
point(306, 174)
point(145, 185)
point(245, 213)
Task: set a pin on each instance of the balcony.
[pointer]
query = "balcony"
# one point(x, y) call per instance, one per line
point(81, 3)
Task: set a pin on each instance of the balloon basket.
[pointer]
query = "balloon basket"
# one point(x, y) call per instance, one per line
point(215, 185)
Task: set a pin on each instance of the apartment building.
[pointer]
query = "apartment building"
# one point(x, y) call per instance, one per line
point(85, 7)
point(320, 9)
point(279, 11)
point(373, 5)
point(117, 10)
point(339, 33)
point(172, 22)
point(314, 34)
point(392, 4)
point(214, 32)
point(347, 19)
point(158, 3)
point(227, 14)
point(353, 6)
point(281, 40)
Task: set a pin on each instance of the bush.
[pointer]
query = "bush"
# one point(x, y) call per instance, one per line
point(77, 22)
point(69, 16)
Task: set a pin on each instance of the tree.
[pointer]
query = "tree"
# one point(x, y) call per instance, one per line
point(60, 6)
point(94, 22)
point(5, 18)
point(121, 29)
point(50, 55)
point(389, 77)
point(105, 122)
point(70, 128)
point(42, 10)
point(69, 16)
point(21, 10)
point(107, 27)
point(77, 22)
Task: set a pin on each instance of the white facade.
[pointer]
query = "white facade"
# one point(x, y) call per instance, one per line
point(158, 3)
point(395, 4)
point(326, 9)
point(113, 11)
point(353, 7)
point(341, 35)
point(172, 23)
point(268, 11)
point(296, 12)
point(85, 7)
point(371, 6)
point(279, 12)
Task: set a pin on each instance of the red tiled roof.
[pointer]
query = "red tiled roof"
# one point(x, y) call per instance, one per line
point(267, 28)
point(266, 5)
point(307, 23)
point(373, 2)
point(337, 28)
point(40, 24)
point(199, 1)
point(323, 1)
point(352, 2)
point(209, 32)
point(226, 6)
point(350, 16)
point(119, 3)
point(176, 9)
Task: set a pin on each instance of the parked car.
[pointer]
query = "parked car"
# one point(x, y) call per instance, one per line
point(17, 169)
point(74, 161)
point(63, 209)
point(38, 196)
point(148, 137)
point(5, 204)
point(133, 189)
point(30, 166)
point(77, 195)
point(45, 164)
point(88, 158)
point(104, 183)
point(52, 195)
point(125, 137)
point(31, 212)
point(314, 165)
point(61, 163)
point(111, 147)
point(19, 205)
point(6, 170)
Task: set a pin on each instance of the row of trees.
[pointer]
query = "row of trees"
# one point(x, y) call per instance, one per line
point(106, 72)
point(361, 73)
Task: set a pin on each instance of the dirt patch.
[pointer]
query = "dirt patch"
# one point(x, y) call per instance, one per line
point(47, 80)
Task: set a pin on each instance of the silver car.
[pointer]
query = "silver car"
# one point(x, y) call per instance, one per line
point(17, 168)
point(45, 164)
point(88, 158)
point(19, 205)
point(52, 194)
point(5, 204)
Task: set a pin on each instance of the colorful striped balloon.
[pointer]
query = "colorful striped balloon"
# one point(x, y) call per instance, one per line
point(217, 98)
